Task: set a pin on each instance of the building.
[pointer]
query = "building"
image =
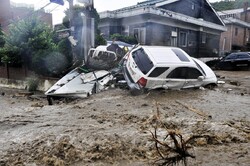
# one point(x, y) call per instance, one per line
point(237, 35)
point(4, 14)
point(12, 12)
point(192, 25)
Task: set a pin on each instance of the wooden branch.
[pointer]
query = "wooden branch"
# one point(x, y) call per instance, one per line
point(194, 110)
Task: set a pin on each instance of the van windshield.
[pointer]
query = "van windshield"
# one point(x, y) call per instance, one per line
point(142, 61)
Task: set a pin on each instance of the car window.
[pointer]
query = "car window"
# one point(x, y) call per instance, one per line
point(231, 56)
point(243, 56)
point(158, 71)
point(180, 55)
point(142, 61)
point(193, 73)
point(179, 73)
point(185, 73)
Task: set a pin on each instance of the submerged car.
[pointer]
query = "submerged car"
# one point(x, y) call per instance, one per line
point(153, 67)
point(233, 61)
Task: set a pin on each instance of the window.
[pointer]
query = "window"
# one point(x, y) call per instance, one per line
point(142, 61)
point(185, 73)
point(183, 39)
point(179, 73)
point(193, 73)
point(243, 56)
point(180, 55)
point(158, 71)
point(231, 56)
point(203, 38)
point(236, 32)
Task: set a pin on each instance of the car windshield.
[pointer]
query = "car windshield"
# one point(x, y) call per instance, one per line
point(142, 61)
point(197, 64)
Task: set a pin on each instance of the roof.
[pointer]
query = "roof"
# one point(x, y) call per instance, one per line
point(151, 7)
point(233, 11)
point(164, 54)
point(154, 3)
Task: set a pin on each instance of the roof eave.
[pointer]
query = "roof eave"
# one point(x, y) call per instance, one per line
point(163, 13)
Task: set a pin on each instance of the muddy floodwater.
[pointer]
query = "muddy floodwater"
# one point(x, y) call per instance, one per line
point(115, 128)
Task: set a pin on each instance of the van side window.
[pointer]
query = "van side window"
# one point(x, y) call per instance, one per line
point(179, 73)
point(185, 73)
point(158, 71)
point(142, 61)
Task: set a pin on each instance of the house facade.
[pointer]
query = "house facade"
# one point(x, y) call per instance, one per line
point(192, 25)
point(237, 35)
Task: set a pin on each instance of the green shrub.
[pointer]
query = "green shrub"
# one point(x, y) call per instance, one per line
point(32, 84)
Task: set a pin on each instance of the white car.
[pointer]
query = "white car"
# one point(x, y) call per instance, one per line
point(152, 67)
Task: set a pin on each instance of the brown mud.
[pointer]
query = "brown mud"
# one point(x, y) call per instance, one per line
point(112, 127)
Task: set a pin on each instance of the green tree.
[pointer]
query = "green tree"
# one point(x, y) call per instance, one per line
point(127, 39)
point(30, 42)
point(228, 5)
point(2, 40)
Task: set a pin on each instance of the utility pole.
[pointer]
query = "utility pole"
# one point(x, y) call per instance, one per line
point(85, 33)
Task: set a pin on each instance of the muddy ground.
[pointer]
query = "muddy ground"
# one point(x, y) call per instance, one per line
point(114, 128)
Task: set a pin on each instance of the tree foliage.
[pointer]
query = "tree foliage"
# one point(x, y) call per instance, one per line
point(228, 5)
point(2, 40)
point(31, 42)
point(127, 39)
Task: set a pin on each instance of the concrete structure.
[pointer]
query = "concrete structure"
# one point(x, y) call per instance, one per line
point(237, 36)
point(12, 12)
point(5, 14)
point(192, 25)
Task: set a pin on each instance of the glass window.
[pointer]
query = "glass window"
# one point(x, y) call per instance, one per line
point(179, 73)
point(193, 73)
point(231, 56)
point(180, 55)
point(158, 71)
point(236, 31)
point(183, 39)
point(243, 56)
point(142, 61)
point(185, 73)
point(203, 38)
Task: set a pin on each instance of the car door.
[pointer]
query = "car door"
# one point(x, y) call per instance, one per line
point(193, 78)
point(176, 78)
point(157, 77)
point(227, 62)
point(242, 60)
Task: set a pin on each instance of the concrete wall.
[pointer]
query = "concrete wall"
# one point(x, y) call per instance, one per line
point(44, 84)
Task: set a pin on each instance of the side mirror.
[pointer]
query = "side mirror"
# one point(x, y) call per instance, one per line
point(201, 78)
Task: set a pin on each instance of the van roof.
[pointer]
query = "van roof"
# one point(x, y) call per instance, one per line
point(164, 54)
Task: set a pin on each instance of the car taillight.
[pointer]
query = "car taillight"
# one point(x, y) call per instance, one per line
point(142, 81)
